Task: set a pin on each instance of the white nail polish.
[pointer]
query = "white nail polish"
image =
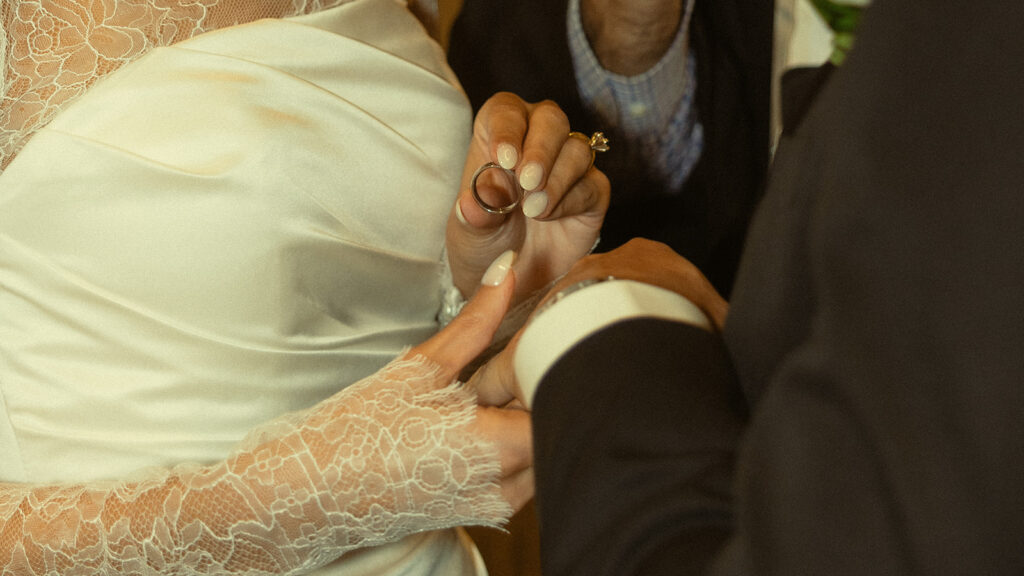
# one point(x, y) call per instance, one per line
point(498, 270)
point(507, 156)
point(535, 203)
point(458, 213)
point(530, 177)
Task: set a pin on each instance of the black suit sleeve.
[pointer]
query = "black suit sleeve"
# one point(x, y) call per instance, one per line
point(635, 431)
point(875, 327)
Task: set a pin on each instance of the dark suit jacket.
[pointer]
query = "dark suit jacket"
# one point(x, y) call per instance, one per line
point(521, 46)
point(875, 335)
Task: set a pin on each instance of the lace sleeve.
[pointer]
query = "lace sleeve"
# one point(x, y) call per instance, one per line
point(386, 457)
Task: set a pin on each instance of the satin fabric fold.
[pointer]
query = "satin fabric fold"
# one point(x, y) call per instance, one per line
point(227, 229)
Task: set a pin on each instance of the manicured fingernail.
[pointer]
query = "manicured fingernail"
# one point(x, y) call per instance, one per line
point(507, 156)
point(458, 213)
point(535, 203)
point(530, 177)
point(498, 270)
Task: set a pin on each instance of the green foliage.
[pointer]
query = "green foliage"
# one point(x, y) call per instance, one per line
point(842, 19)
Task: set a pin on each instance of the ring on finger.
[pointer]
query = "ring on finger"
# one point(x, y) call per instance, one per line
point(596, 141)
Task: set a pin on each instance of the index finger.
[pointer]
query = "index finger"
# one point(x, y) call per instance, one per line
point(500, 128)
point(547, 132)
point(471, 332)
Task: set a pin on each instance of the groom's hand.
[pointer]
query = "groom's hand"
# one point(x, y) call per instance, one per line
point(638, 260)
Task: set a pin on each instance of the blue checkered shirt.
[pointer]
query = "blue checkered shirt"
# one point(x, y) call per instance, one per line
point(654, 110)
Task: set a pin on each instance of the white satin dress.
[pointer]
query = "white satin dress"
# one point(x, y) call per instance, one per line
point(225, 230)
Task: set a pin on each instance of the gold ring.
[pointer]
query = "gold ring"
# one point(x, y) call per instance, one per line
point(597, 143)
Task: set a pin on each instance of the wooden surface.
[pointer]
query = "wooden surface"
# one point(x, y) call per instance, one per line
point(447, 10)
point(515, 553)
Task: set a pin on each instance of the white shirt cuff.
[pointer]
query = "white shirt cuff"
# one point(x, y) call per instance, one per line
point(554, 331)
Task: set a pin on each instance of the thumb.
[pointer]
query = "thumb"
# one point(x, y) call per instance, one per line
point(495, 382)
point(472, 330)
point(474, 238)
point(474, 218)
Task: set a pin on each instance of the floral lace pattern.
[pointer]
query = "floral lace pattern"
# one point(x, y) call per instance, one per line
point(384, 458)
point(52, 51)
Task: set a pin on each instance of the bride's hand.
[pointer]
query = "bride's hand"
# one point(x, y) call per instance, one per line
point(560, 215)
point(462, 341)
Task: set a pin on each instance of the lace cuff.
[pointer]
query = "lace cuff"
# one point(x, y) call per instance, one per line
point(386, 457)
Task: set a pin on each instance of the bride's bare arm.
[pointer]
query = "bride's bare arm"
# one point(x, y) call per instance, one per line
point(389, 456)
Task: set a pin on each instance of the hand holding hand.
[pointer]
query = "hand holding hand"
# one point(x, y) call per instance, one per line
point(651, 263)
point(560, 216)
point(462, 341)
point(640, 260)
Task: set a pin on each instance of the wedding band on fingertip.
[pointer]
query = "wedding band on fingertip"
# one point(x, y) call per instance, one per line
point(510, 187)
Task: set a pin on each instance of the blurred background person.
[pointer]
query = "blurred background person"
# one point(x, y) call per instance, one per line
point(682, 88)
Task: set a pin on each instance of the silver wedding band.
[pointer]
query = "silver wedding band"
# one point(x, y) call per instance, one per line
point(596, 141)
point(512, 178)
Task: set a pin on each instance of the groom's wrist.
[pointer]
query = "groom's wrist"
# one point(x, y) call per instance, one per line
point(585, 308)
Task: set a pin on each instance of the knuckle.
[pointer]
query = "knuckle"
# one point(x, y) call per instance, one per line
point(551, 111)
point(585, 195)
point(595, 190)
point(548, 106)
point(503, 100)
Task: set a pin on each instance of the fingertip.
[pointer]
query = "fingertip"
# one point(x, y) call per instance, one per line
point(499, 269)
point(531, 176)
point(459, 215)
point(474, 217)
point(508, 156)
point(535, 204)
